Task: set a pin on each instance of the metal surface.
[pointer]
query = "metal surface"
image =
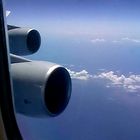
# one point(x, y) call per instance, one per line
point(45, 88)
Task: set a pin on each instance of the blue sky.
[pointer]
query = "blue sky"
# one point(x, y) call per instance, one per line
point(73, 25)
point(78, 17)
point(106, 34)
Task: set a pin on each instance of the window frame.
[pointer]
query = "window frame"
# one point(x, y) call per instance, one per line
point(8, 124)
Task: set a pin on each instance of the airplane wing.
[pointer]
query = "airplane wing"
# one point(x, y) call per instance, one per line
point(41, 88)
point(10, 27)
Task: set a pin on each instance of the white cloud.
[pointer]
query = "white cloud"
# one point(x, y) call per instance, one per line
point(131, 40)
point(130, 83)
point(98, 40)
point(81, 75)
point(127, 39)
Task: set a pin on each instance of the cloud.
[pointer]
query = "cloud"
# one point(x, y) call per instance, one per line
point(130, 83)
point(97, 40)
point(131, 40)
point(121, 40)
point(81, 75)
point(127, 39)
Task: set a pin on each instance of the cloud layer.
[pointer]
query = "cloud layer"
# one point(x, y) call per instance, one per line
point(130, 83)
point(127, 39)
point(81, 75)
point(131, 40)
point(121, 40)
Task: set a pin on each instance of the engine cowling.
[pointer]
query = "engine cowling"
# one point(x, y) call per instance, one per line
point(24, 41)
point(40, 88)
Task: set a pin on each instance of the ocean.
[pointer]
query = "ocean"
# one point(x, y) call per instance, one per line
point(103, 106)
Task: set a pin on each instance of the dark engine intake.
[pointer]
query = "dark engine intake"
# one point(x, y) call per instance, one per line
point(40, 88)
point(24, 41)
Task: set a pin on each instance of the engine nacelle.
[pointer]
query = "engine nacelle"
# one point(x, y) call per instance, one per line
point(24, 41)
point(40, 88)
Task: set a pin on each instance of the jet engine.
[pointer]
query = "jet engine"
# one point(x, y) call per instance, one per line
point(40, 88)
point(23, 41)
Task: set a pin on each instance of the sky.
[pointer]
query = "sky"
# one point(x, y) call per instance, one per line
point(99, 18)
point(98, 41)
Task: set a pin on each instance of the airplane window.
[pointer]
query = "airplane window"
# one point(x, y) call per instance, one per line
point(8, 125)
point(97, 44)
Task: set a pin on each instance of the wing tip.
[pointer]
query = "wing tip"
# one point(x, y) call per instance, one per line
point(7, 13)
